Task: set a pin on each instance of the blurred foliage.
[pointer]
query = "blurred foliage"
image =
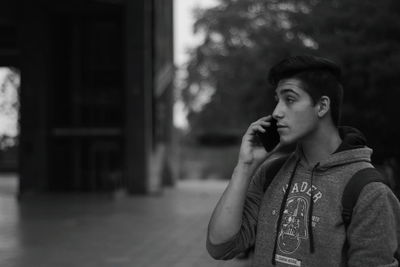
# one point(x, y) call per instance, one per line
point(242, 39)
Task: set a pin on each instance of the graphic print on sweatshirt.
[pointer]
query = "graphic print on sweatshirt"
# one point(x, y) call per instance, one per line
point(295, 217)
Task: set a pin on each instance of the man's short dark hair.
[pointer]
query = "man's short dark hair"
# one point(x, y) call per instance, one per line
point(320, 76)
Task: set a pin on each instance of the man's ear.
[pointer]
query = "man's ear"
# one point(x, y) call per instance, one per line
point(324, 106)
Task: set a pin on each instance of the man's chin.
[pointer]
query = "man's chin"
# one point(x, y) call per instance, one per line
point(285, 141)
point(287, 145)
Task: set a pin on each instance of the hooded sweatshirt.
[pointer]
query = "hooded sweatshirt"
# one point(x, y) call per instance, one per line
point(303, 225)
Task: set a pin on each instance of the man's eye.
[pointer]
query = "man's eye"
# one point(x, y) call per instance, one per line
point(290, 100)
point(276, 98)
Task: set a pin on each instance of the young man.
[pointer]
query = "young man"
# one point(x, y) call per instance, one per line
point(297, 220)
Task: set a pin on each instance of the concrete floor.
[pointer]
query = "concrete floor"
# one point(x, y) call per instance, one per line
point(96, 230)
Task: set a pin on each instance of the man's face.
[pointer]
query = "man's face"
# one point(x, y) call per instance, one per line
point(295, 112)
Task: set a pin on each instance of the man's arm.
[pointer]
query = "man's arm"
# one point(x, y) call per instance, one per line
point(374, 229)
point(226, 219)
point(232, 228)
point(231, 214)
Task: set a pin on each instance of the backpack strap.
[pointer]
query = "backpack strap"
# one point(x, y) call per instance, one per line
point(353, 189)
point(273, 169)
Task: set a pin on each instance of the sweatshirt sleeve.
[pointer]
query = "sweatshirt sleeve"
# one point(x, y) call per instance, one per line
point(373, 231)
point(245, 238)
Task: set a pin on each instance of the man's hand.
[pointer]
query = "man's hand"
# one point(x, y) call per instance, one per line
point(251, 150)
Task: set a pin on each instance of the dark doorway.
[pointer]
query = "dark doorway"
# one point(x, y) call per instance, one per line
point(86, 102)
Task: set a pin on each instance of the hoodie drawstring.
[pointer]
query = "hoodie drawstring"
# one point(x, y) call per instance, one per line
point(310, 211)
point(281, 210)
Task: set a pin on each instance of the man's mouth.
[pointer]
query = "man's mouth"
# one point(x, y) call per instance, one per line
point(280, 128)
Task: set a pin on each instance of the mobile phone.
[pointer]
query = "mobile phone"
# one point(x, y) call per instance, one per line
point(270, 138)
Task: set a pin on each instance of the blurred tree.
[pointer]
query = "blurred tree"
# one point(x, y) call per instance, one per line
point(228, 71)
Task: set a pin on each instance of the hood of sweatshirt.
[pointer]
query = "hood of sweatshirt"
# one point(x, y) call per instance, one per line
point(352, 149)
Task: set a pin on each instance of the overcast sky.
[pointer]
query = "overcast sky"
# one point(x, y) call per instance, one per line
point(183, 27)
point(184, 39)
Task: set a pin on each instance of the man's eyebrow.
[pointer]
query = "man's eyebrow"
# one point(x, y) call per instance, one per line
point(287, 91)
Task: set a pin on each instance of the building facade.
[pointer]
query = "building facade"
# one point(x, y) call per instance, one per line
point(96, 93)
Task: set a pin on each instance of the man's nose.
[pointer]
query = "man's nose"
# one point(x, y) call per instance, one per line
point(277, 113)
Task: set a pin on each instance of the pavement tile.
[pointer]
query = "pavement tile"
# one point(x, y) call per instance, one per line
point(96, 230)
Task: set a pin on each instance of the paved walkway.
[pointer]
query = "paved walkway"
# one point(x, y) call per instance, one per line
point(92, 230)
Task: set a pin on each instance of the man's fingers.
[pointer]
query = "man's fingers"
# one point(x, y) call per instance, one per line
point(260, 128)
point(265, 118)
point(265, 123)
point(260, 125)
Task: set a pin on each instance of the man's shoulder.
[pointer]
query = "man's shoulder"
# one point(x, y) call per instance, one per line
point(376, 192)
point(274, 162)
point(269, 168)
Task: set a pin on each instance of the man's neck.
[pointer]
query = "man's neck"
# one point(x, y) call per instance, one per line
point(320, 144)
